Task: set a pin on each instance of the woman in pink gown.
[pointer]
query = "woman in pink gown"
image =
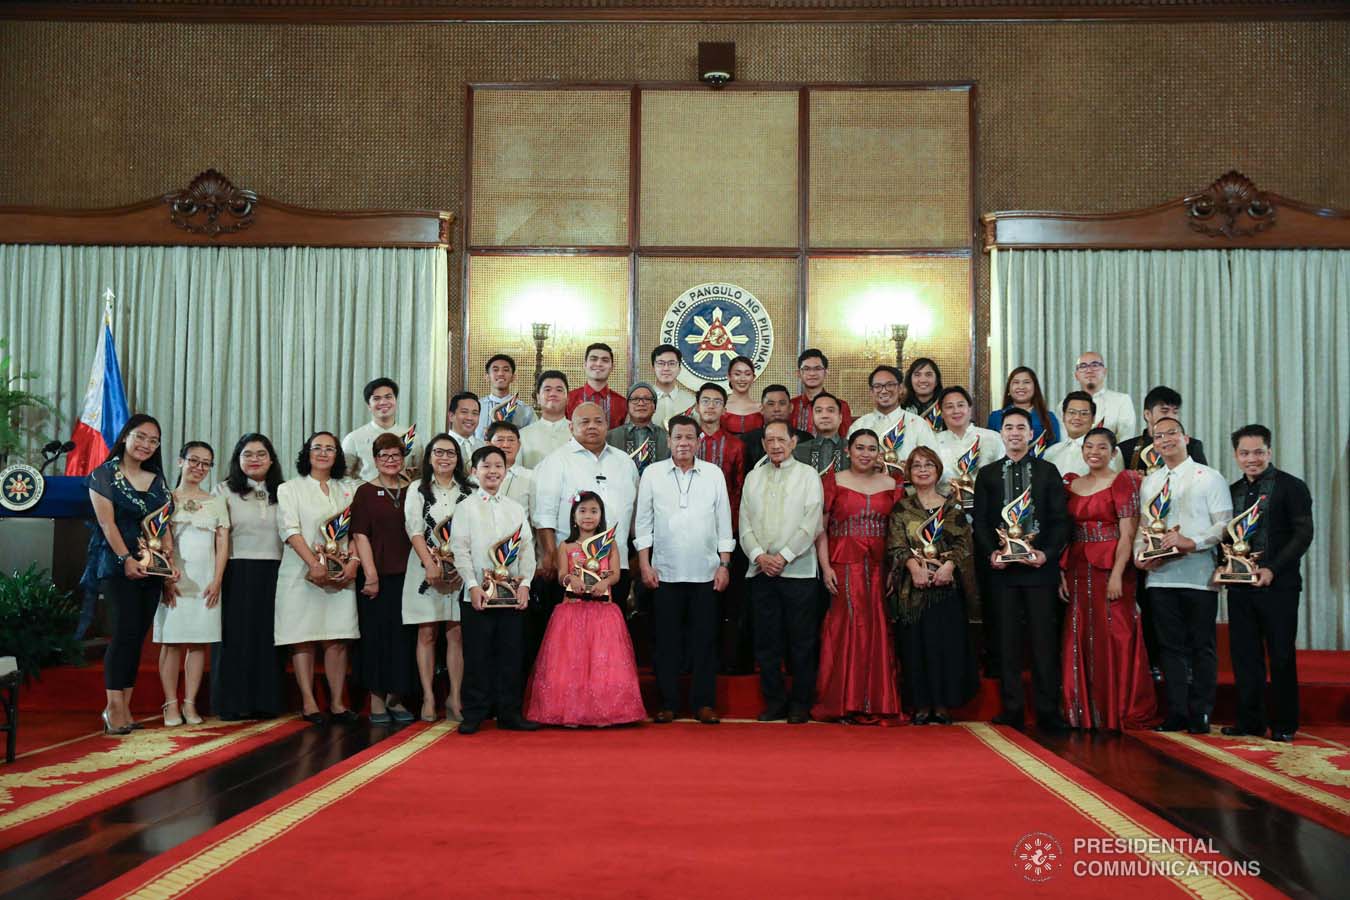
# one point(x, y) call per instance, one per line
point(585, 673)
point(1105, 667)
point(857, 678)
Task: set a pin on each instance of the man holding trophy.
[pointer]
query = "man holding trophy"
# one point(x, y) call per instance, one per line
point(1021, 525)
point(1274, 522)
point(1184, 506)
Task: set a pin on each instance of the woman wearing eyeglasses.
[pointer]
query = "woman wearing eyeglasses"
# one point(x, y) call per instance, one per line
point(246, 672)
point(188, 620)
point(315, 609)
point(428, 601)
point(124, 490)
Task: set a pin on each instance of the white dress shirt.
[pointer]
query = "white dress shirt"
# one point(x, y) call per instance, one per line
point(356, 447)
point(780, 513)
point(671, 404)
point(466, 447)
point(572, 468)
point(519, 486)
point(481, 522)
point(1116, 411)
point(918, 433)
point(1202, 505)
point(1067, 456)
point(684, 518)
point(951, 448)
point(487, 405)
point(540, 438)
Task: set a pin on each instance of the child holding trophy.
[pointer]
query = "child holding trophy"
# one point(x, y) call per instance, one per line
point(585, 673)
point(494, 555)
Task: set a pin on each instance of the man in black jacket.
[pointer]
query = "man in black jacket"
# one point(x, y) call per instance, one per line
point(1263, 618)
point(1027, 588)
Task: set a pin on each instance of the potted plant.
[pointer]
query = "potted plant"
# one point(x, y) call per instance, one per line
point(37, 621)
point(21, 410)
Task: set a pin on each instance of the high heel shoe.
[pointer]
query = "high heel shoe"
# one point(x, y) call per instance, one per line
point(108, 728)
point(171, 721)
point(191, 718)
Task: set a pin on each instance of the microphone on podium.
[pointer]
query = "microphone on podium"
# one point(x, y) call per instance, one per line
point(52, 451)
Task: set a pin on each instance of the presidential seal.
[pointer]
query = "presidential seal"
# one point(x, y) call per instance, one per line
point(21, 487)
point(712, 324)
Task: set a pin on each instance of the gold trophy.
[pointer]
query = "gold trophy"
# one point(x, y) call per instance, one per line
point(1239, 561)
point(153, 559)
point(930, 533)
point(596, 549)
point(1156, 529)
point(333, 553)
point(1016, 542)
point(499, 585)
point(445, 557)
point(963, 484)
point(1151, 459)
point(891, 443)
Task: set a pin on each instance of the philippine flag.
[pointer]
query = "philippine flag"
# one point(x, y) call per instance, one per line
point(105, 410)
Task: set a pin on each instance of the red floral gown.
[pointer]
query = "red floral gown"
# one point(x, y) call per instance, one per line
point(1105, 666)
point(585, 673)
point(857, 677)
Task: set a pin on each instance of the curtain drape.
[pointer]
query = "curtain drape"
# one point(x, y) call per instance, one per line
point(216, 342)
point(1244, 335)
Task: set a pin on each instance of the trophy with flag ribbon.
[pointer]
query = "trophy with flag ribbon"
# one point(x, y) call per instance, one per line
point(504, 411)
point(1040, 445)
point(963, 483)
point(596, 550)
point(930, 533)
point(332, 551)
point(933, 416)
point(1239, 561)
point(641, 455)
point(891, 442)
point(498, 584)
point(410, 465)
point(1150, 458)
point(1155, 527)
point(444, 556)
point(153, 557)
point(1015, 539)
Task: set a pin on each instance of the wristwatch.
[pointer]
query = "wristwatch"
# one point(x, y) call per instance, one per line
point(122, 560)
point(721, 564)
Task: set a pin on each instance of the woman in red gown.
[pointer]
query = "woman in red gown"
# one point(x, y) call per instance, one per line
point(857, 678)
point(1105, 667)
point(742, 413)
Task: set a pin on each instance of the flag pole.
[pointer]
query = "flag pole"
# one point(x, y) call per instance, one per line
point(108, 298)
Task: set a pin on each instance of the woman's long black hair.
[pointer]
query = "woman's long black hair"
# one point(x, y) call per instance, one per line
point(119, 448)
point(237, 481)
point(428, 476)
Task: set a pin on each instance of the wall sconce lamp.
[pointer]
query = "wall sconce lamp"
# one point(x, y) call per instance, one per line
point(540, 332)
point(899, 332)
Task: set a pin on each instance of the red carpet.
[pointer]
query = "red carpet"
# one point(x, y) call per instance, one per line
point(1310, 777)
point(688, 810)
point(55, 787)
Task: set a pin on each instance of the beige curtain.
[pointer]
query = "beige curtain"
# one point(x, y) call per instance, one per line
point(1244, 335)
point(215, 342)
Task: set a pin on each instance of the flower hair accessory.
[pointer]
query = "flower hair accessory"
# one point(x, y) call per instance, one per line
point(576, 498)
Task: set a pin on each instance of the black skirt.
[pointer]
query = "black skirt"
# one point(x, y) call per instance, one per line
point(386, 653)
point(246, 669)
point(938, 665)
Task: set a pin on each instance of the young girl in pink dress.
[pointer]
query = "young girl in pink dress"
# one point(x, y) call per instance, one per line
point(585, 673)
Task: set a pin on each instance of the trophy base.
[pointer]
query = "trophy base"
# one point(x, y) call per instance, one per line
point(1014, 557)
point(1239, 579)
point(158, 571)
point(1150, 555)
point(155, 564)
point(500, 593)
point(450, 580)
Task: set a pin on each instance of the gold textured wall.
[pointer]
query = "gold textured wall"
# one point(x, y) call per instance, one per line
point(1084, 116)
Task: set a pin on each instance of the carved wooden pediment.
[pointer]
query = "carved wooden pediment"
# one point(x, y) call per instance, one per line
point(211, 205)
point(1231, 207)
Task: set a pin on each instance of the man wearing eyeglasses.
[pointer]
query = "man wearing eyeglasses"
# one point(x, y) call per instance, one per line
point(1114, 409)
point(640, 437)
point(812, 367)
point(1080, 414)
point(884, 382)
point(671, 399)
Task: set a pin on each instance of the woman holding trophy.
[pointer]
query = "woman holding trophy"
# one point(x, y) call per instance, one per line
point(431, 594)
point(131, 555)
point(316, 604)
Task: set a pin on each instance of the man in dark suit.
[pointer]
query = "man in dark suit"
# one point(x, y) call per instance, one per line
point(775, 404)
point(1029, 588)
point(1159, 403)
point(1263, 618)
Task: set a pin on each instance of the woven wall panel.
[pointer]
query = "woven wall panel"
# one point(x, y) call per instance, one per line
point(550, 168)
point(890, 168)
point(772, 281)
point(743, 145)
point(582, 298)
point(853, 302)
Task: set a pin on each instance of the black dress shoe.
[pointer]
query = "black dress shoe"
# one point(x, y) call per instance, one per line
point(1012, 720)
point(798, 717)
point(517, 723)
point(940, 719)
point(346, 717)
point(920, 718)
point(1171, 723)
point(315, 718)
point(663, 717)
point(1053, 725)
point(773, 714)
point(1199, 726)
point(1241, 731)
point(469, 727)
point(1282, 737)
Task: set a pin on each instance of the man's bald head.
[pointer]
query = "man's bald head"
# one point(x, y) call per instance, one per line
point(590, 425)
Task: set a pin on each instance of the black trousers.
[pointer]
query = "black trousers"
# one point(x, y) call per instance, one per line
point(1264, 622)
point(1185, 618)
point(132, 607)
point(494, 642)
point(737, 636)
point(785, 613)
point(676, 601)
point(1036, 605)
point(1144, 597)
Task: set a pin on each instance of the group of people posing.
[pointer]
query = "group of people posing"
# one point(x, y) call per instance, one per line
point(846, 556)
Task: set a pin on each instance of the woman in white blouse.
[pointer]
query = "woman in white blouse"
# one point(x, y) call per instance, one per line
point(312, 608)
point(188, 618)
point(246, 671)
point(427, 599)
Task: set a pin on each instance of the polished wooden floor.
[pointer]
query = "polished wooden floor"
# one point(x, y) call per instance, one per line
point(1299, 857)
